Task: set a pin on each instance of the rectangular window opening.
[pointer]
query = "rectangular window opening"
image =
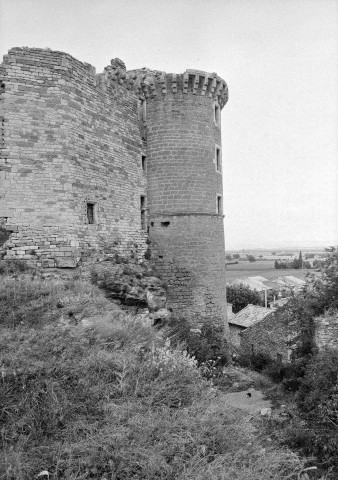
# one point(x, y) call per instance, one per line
point(91, 213)
point(218, 159)
point(217, 110)
point(219, 204)
point(143, 213)
point(144, 163)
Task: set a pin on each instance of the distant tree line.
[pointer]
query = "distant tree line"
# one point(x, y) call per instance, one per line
point(296, 263)
point(234, 256)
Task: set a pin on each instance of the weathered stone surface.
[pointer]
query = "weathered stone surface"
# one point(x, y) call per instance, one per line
point(156, 298)
point(132, 284)
point(266, 412)
point(162, 314)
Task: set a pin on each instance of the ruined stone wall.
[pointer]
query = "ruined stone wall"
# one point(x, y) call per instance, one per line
point(326, 331)
point(185, 213)
point(270, 336)
point(69, 138)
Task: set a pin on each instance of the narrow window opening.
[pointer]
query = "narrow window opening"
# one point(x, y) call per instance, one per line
point(217, 114)
point(152, 224)
point(160, 256)
point(218, 159)
point(91, 213)
point(219, 205)
point(143, 213)
point(279, 358)
point(144, 163)
point(252, 348)
point(165, 224)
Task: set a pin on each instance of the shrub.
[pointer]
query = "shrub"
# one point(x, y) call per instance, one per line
point(259, 361)
point(240, 296)
point(318, 393)
point(206, 345)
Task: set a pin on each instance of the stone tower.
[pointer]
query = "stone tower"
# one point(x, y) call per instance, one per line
point(184, 185)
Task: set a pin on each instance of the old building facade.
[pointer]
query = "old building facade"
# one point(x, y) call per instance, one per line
point(129, 161)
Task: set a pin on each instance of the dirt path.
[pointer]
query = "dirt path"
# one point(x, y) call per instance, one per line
point(252, 405)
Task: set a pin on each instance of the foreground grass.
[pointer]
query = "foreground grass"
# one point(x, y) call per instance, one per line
point(88, 392)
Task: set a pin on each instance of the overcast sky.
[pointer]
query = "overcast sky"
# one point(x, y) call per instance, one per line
point(279, 59)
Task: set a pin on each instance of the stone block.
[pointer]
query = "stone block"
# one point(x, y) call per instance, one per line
point(65, 262)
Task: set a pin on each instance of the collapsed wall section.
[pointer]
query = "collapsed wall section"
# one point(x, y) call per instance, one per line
point(71, 177)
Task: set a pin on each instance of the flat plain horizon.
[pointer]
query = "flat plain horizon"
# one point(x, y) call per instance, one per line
point(279, 128)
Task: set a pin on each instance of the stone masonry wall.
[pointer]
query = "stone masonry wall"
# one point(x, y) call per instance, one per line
point(69, 138)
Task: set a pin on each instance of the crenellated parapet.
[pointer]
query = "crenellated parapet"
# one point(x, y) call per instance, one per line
point(149, 83)
point(196, 82)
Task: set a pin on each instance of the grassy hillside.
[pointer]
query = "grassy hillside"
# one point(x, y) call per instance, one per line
point(87, 391)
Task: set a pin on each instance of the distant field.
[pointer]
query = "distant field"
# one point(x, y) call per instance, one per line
point(264, 269)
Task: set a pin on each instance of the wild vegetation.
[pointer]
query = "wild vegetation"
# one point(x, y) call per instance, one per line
point(310, 382)
point(240, 295)
point(88, 391)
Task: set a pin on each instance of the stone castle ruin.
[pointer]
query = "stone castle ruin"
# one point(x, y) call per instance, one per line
point(129, 161)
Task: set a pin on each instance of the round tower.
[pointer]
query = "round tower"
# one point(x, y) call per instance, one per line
point(185, 199)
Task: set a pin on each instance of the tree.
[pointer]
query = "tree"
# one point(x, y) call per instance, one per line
point(236, 255)
point(240, 296)
point(228, 257)
point(300, 260)
point(318, 263)
point(282, 265)
point(251, 258)
point(295, 264)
